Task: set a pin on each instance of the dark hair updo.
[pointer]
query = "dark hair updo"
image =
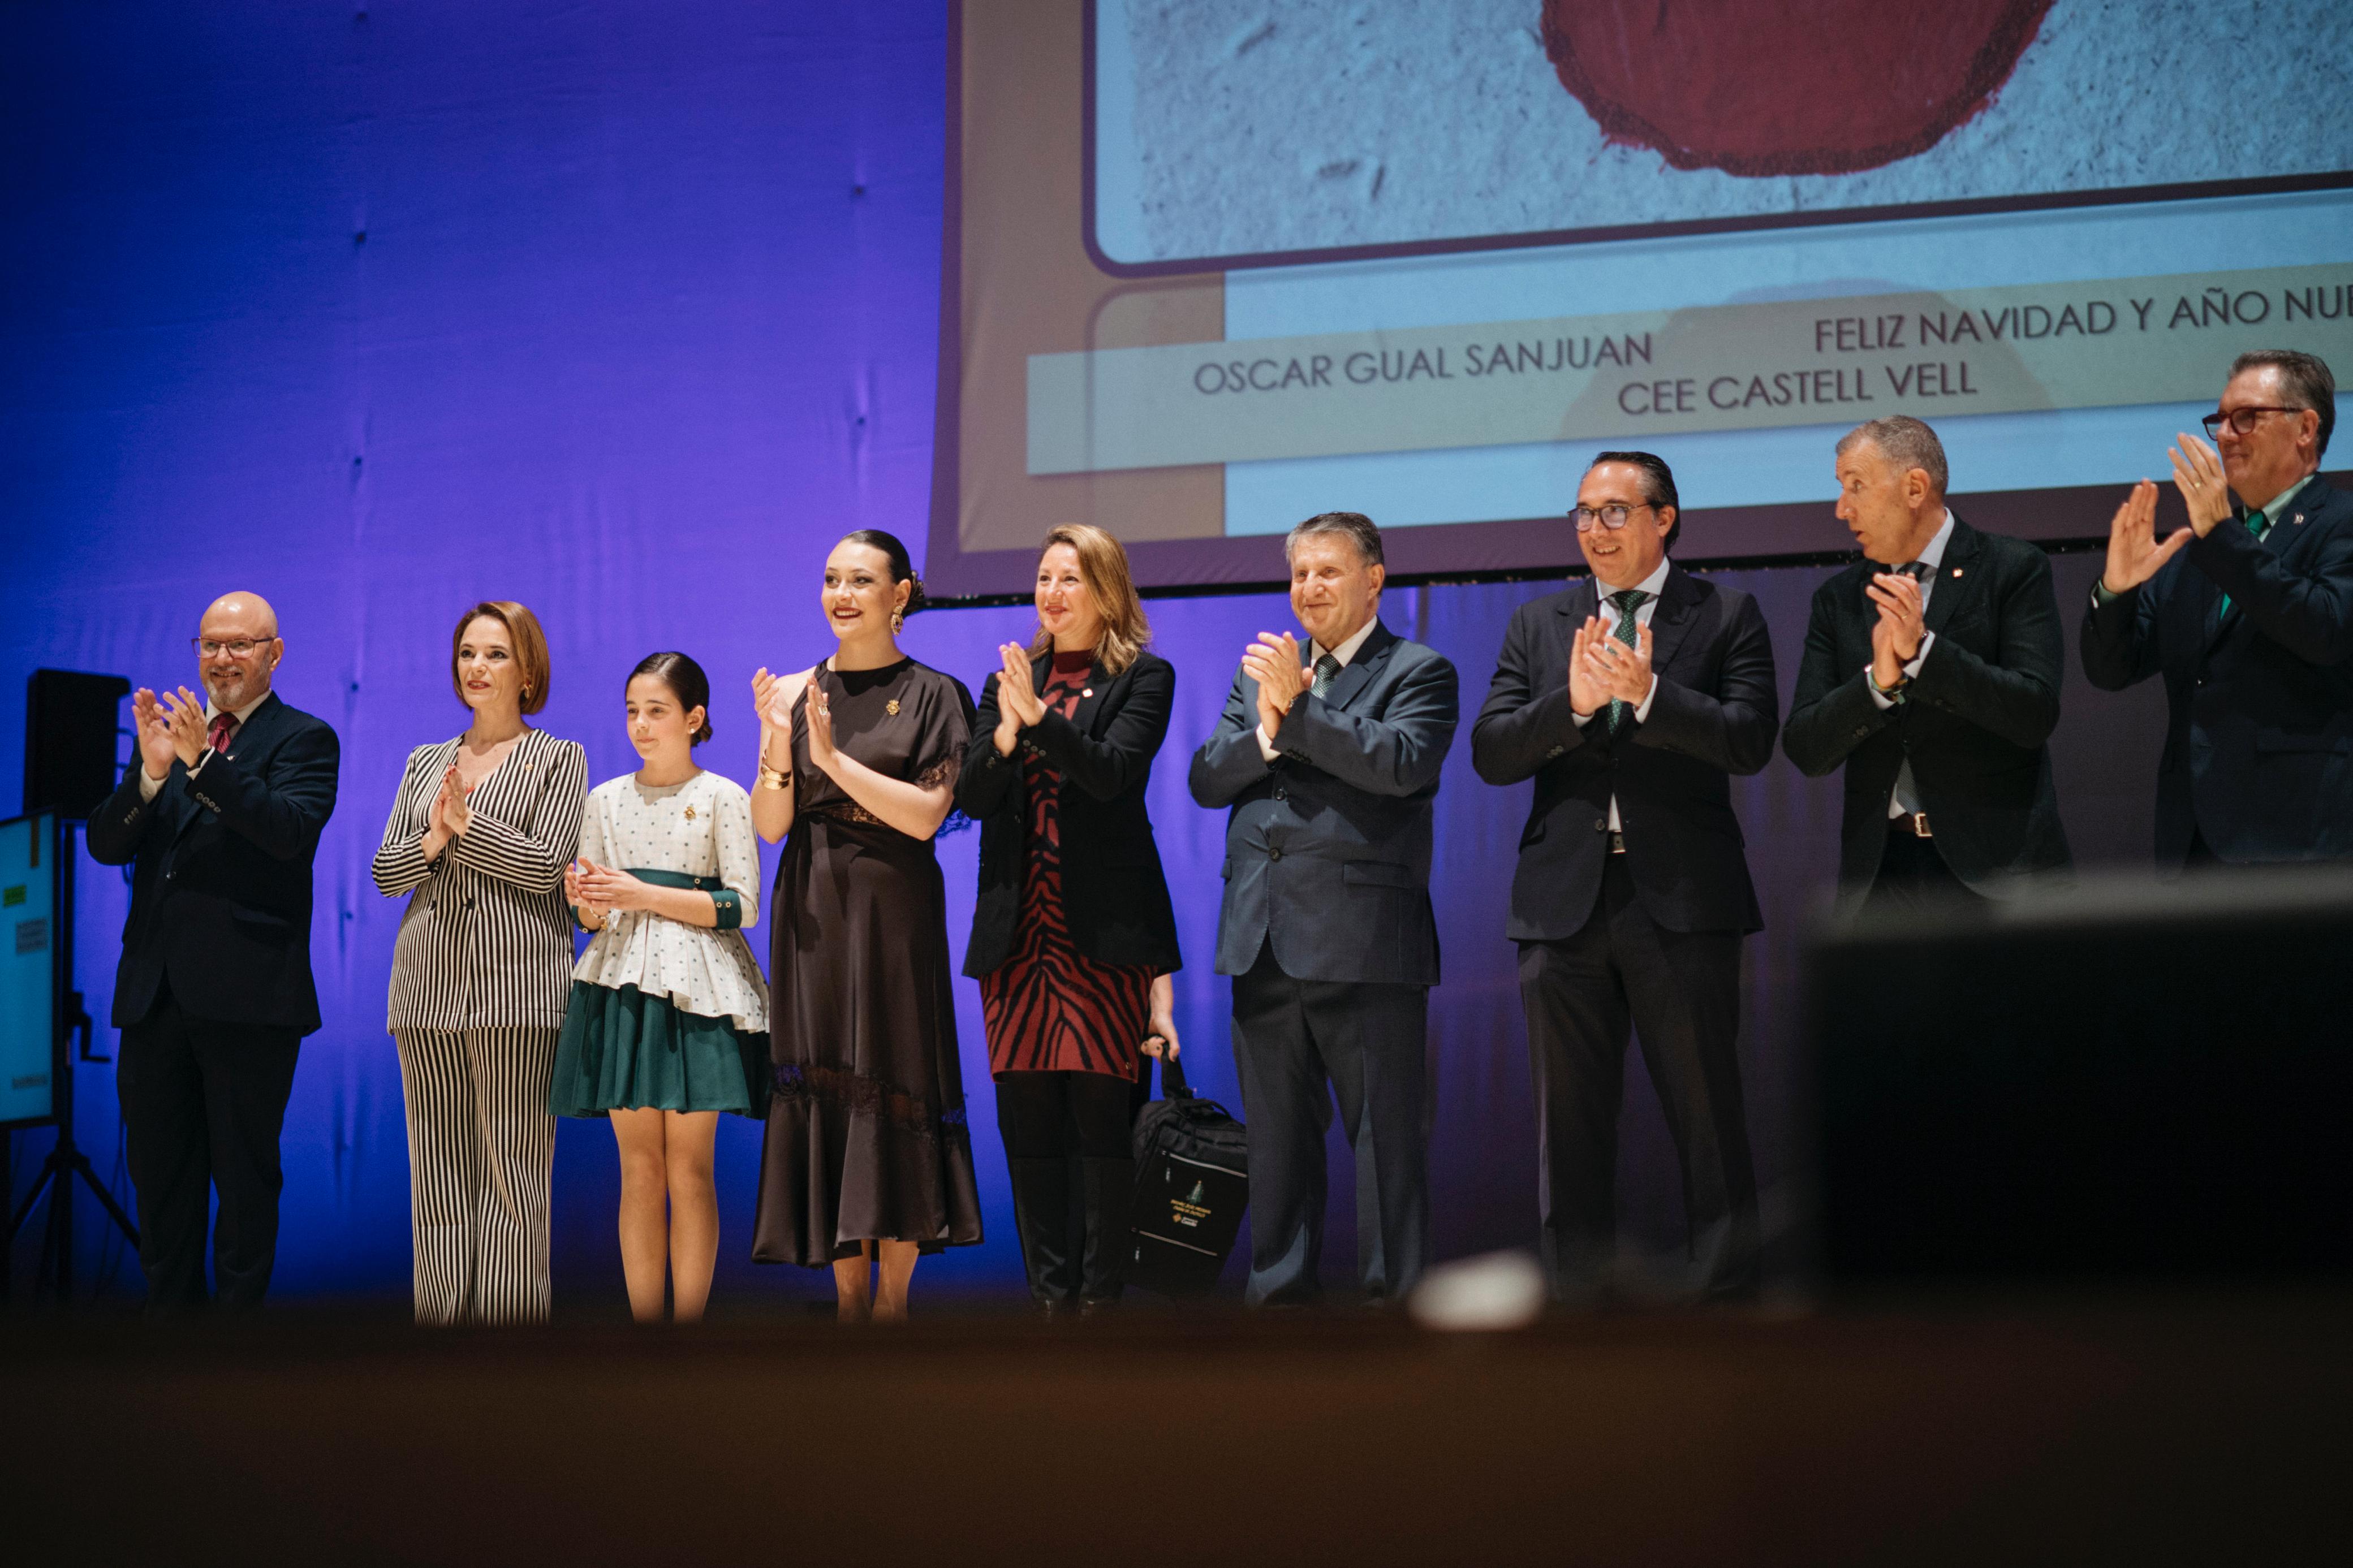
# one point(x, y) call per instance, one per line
point(686, 682)
point(903, 570)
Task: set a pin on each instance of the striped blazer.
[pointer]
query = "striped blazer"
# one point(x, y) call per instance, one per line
point(486, 940)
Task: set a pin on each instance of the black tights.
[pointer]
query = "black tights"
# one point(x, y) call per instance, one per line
point(1063, 1115)
point(1067, 1149)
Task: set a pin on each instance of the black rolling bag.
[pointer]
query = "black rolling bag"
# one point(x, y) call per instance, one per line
point(1192, 1183)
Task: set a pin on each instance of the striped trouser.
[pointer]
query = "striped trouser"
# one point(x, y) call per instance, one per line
point(481, 1155)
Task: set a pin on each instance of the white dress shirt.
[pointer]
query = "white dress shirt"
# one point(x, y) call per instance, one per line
point(1651, 585)
point(1316, 650)
point(1904, 799)
point(149, 786)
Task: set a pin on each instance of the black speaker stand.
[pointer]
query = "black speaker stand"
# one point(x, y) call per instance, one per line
point(55, 1267)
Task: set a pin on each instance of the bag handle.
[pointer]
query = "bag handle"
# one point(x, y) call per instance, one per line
point(1172, 1078)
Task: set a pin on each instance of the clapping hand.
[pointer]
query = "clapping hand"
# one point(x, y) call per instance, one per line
point(184, 721)
point(2134, 554)
point(820, 717)
point(1273, 662)
point(158, 750)
point(603, 889)
point(2197, 475)
point(1586, 690)
point(1896, 635)
point(1623, 673)
point(449, 815)
point(773, 695)
point(577, 896)
point(1016, 692)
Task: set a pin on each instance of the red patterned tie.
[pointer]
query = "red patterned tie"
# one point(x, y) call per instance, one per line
point(223, 726)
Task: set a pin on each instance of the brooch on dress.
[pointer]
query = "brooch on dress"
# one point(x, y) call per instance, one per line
point(891, 707)
point(689, 814)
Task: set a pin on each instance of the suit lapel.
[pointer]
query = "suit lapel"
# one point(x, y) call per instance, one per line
point(1583, 598)
point(512, 784)
point(250, 744)
point(1677, 596)
point(1090, 698)
point(1357, 673)
point(1961, 552)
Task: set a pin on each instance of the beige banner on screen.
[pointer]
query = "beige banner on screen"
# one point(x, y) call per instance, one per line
point(1730, 367)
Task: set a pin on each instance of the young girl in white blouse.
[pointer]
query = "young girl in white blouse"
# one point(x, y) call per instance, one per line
point(668, 1021)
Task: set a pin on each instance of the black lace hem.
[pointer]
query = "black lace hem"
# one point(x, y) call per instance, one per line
point(902, 1108)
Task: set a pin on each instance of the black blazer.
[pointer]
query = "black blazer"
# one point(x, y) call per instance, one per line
point(2259, 732)
point(1328, 847)
point(1974, 724)
point(1115, 894)
point(220, 889)
point(1713, 716)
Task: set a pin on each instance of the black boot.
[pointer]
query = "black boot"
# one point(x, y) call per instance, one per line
point(1110, 1189)
point(1041, 1213)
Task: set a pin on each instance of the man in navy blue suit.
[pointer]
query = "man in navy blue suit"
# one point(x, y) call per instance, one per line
point(2248, 613)
point(1329, 755)
point(219, 814)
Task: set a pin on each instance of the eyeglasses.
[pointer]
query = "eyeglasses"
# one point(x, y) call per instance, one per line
point(2242, 420)
point(1612, 516)
point(207, 649)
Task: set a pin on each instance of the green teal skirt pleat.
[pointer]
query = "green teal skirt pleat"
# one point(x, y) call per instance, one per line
point(624, 1050)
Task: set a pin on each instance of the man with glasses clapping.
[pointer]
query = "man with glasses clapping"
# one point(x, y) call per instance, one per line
point(219, 813)
point(2248, 613)
point(1632, 699)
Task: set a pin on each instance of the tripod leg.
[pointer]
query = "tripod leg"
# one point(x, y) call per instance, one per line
point(106, 1201)
point(25, 1210)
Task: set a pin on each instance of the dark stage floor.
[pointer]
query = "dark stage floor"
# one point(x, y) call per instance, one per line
point(2194, 1427)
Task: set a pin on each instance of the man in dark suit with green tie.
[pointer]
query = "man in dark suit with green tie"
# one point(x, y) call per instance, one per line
point(1931, 675)
point(2248, 613)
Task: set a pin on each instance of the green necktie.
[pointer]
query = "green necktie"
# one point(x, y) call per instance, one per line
point(1328, 670)
point(2258, 523)
point(1628, 600)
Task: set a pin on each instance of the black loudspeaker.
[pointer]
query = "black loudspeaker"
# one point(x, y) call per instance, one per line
point(72, 730)
point(2125, 1081)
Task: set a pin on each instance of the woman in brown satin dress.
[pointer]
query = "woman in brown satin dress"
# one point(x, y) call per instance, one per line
point(1072, 934)
point(866, 1159)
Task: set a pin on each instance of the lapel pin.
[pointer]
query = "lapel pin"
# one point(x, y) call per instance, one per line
point(1090, 691)
point(2297, 520)
point(689, 814)
point(1956, 571)
point(891, 707)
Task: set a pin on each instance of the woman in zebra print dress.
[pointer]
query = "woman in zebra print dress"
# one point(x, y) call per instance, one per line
point(477, 840)
point(1073, 938)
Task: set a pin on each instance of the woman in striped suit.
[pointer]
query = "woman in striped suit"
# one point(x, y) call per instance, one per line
point(478, 839)
point(1072, 936)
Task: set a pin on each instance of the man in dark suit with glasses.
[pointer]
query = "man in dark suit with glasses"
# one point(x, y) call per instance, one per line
point(219, 815)
point(2248, 613)
point(1631, 698)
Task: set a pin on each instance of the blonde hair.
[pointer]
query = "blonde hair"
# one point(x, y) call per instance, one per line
point(530, 648)
point(1102, 567)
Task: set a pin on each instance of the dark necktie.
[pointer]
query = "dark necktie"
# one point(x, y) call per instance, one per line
point(1919, 570)
point(2258, 523)
point(1628, 600)
point(1328, 670)
point(218, 732)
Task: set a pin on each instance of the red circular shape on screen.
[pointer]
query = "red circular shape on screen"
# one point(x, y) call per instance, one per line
point(1757, 88)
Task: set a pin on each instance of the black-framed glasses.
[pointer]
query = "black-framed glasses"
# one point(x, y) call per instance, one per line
point(2242, 420)
point(1612, 516)
point(239, 648)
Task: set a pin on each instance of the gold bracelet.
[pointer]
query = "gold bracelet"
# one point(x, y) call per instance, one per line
point(772, 779)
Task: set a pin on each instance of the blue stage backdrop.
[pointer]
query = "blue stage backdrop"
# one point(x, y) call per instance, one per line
point(629, 312)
